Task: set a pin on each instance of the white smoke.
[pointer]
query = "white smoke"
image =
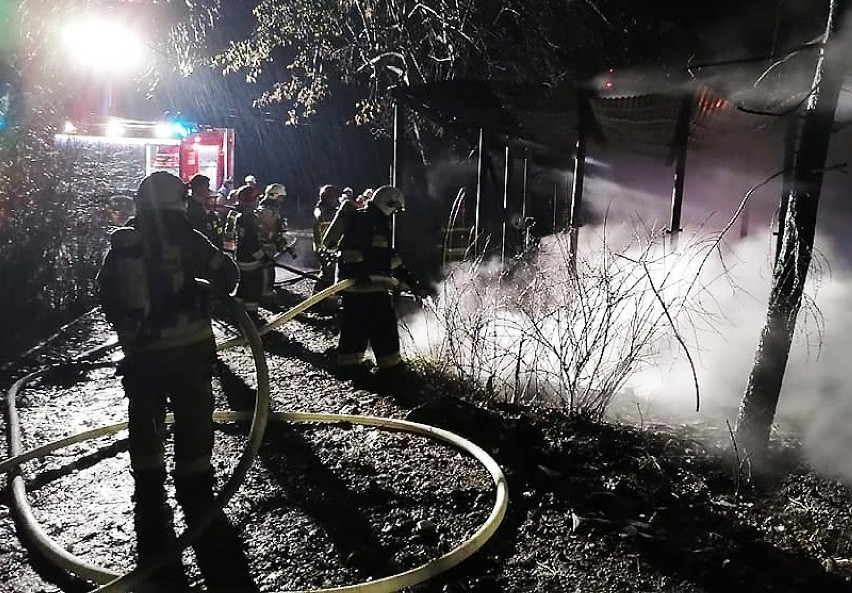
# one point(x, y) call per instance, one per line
point(722, 336)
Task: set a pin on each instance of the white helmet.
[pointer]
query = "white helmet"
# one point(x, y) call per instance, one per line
point(389, 199)
point(161, 191)
point(251, 180)
point(275, 191)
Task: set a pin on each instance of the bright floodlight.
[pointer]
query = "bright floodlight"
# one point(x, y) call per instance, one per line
point(115, 128)
point(69, 128)
point(163, 130)
point(107, 46)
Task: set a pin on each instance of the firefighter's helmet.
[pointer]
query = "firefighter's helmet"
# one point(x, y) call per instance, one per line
point(199, 183)
point(329, 194)
point(389, 199)
point(275, 191)
point(161, 191)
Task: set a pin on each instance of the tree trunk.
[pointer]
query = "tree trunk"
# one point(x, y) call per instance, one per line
point(809, 135)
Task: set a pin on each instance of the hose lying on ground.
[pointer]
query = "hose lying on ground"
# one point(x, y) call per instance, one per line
point(72, 564)
point(115, 583)
point(387, 584)
point(297, 271)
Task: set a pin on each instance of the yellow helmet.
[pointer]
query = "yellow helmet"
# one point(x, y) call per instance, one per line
point(275, 191)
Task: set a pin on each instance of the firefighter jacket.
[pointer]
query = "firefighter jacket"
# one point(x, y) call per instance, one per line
point(323, 215)
point(216, 228)
point(147, 282)
point(367, 256)
point(272, 227)
point(229, 233)
point(204, 222)
point(334, 231)
point(249, 251)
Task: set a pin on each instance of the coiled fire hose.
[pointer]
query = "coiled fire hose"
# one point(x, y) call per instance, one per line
point(113, 582)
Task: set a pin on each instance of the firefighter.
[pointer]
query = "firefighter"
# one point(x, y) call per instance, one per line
point(242, 226)
point(334, 231)
point(197, 209)
point(324, 211)
point(367, 316)
point(225, 189)
point(214, 221)
point(347, 194)
point(361, 200)
point(273, 235)
point(149, 295)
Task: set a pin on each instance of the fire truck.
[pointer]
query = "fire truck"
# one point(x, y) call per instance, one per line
point(113, 155)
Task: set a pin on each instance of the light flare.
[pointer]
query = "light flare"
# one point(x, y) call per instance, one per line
point(105, 46)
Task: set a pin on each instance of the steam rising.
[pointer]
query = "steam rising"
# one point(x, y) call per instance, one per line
point(716, 293)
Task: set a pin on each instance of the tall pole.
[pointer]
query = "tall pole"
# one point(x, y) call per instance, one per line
point(524, 188)
point(479, 182)
point(524, 228)
point(681, 142)
point(507, 163)
point(394, 176)
point(107, 96)
point(575, 220)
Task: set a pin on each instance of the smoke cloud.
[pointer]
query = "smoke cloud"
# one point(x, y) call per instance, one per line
point(633, 198)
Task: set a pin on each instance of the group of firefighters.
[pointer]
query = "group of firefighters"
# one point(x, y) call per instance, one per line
point(162, 315)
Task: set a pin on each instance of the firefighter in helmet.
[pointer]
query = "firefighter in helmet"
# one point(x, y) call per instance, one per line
point(324, 211)
point(273, 235)
point(198, 209)
point(367, 256)
point(149, 295)
point(242, 224)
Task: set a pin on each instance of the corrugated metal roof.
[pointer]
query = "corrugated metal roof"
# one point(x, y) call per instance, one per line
point(545, 120)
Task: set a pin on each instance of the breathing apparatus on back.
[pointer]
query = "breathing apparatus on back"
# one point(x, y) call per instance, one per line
point(143, 257)
point(131, 276)
point(388, 199)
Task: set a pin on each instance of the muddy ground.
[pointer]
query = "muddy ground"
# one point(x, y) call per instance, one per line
point(592, 507)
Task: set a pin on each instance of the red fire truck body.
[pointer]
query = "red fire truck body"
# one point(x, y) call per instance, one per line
point(209, 151)
point(139, 148)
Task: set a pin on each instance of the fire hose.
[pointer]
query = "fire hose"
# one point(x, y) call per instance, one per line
point(114, 582)
point(297, 271)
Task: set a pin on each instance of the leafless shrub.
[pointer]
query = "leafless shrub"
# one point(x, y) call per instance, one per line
point(544, 332)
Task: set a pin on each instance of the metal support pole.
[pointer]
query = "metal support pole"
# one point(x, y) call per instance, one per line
point(108, 91)
point(506, 165)
point(524, 191)
point(524, 187)
point(575, 220)
point(555, 199)
point(479, 182)
point(681, 142)
point(394, 176)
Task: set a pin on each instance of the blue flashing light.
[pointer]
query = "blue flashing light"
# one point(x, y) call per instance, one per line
point(180, 129)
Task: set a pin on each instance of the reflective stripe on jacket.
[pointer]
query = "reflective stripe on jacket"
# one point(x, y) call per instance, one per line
point(174, 255)
point(366, 253)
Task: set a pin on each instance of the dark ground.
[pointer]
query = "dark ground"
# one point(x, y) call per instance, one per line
point(592, 507)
